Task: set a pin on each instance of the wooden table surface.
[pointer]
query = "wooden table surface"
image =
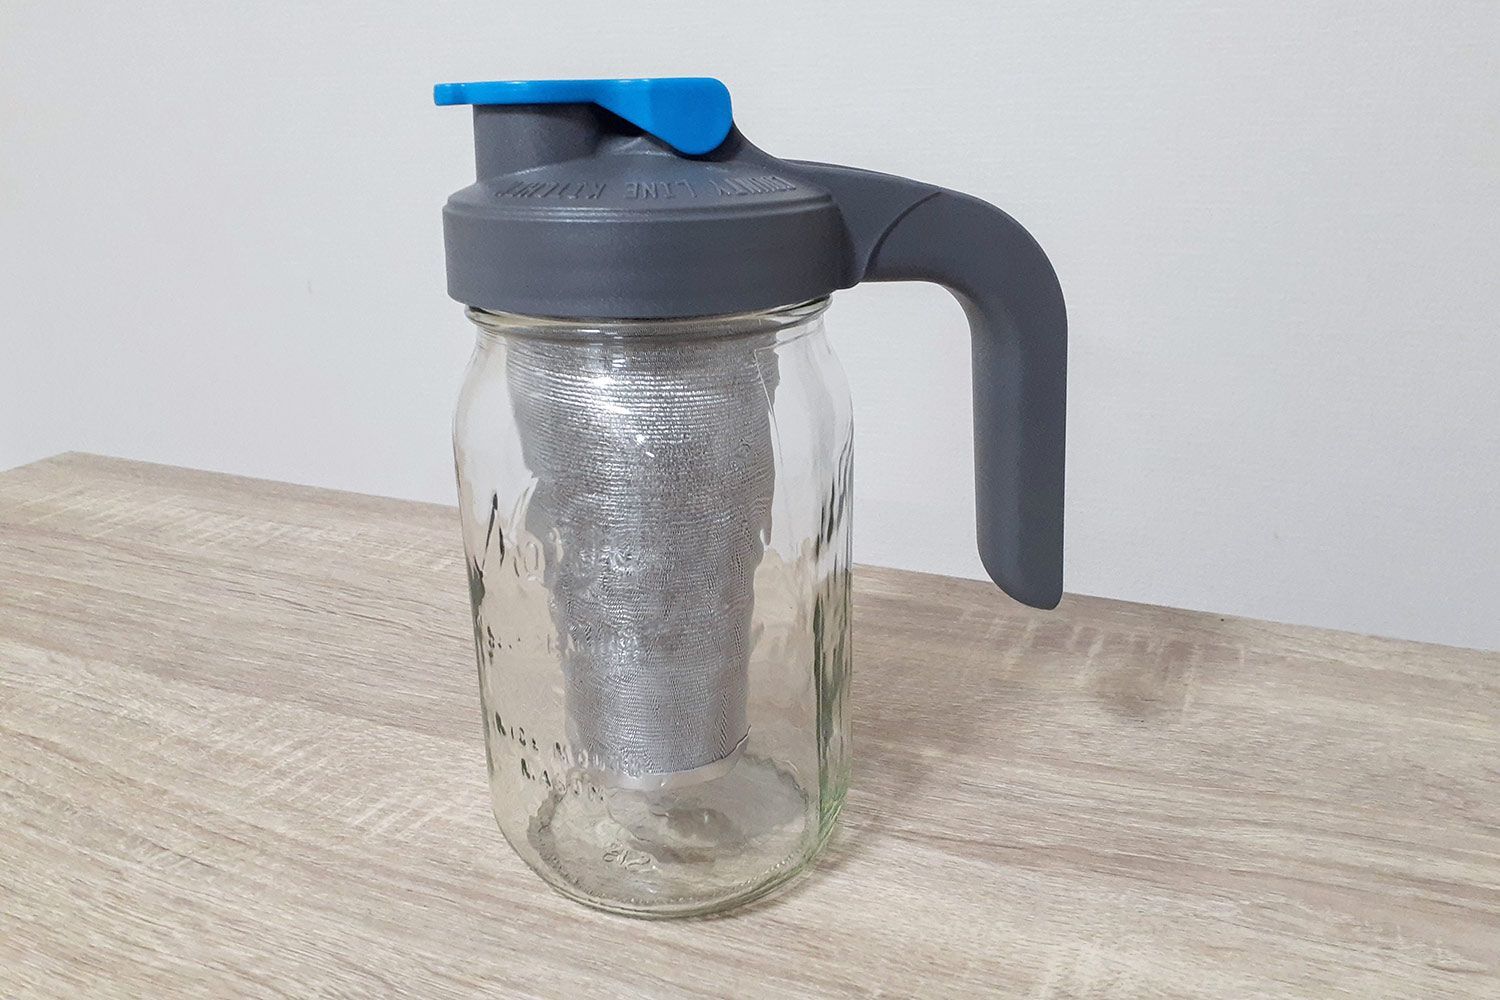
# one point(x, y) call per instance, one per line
point(240, 755)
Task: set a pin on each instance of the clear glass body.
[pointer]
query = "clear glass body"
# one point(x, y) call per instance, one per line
point(656, 522)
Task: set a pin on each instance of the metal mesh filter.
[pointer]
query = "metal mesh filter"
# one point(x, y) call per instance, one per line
point(654, 470)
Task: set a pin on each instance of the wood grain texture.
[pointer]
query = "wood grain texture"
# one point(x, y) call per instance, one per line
point(240, 756)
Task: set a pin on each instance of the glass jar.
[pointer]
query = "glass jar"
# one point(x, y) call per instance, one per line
point(656, 522)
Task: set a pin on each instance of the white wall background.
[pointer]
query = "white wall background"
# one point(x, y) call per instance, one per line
point(1277, 225)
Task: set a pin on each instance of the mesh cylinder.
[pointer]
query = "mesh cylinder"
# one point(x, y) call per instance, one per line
point(654, 473)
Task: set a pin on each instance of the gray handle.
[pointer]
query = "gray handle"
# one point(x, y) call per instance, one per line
point(903, 230)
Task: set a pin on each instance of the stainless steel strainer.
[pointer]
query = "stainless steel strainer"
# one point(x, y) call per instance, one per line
point(654, 468)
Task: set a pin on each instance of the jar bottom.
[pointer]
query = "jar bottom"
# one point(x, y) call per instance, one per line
point(695, 850)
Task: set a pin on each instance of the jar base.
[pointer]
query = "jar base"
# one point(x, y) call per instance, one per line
point(683, 852)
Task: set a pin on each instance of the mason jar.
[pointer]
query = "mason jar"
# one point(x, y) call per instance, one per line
point(655, 518)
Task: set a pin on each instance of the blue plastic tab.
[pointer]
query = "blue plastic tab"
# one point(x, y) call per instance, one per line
point(689, 113)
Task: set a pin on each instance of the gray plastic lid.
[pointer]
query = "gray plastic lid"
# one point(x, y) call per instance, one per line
point(579, 212)
point(639, 199)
